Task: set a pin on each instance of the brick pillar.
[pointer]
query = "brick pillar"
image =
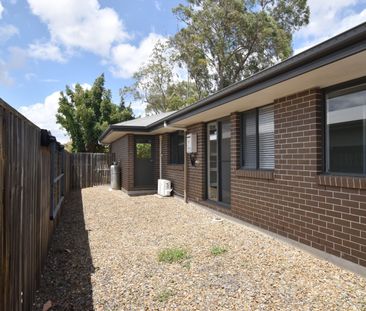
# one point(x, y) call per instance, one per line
point(298, 136)
point(130, 163)
point(197, 174)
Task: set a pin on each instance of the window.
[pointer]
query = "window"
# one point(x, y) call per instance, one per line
point(258, 138)
point(177, 148)
point(346, 131)
point(143, 150)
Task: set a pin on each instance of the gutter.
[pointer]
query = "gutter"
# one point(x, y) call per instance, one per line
point(334, 49)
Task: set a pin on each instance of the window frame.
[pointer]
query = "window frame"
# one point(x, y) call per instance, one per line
point(171, 162)
point(345, 88)
point(242, 138)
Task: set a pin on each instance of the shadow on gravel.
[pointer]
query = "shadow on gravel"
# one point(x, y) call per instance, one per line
point(66, 278)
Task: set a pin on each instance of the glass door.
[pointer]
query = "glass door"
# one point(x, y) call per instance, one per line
point(224, 161)
point(212, 167)
point(143, 162)
point(218, 161)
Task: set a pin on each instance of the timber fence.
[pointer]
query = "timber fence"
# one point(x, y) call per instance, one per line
point(90, 169)
point(36, 175)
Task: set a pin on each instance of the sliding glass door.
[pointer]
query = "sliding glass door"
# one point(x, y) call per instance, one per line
point(212, 168)
point(218, 161)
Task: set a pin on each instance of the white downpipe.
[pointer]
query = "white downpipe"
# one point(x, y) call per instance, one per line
point(161, 157)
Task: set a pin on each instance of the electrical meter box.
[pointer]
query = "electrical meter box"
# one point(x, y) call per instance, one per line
point(191, 143)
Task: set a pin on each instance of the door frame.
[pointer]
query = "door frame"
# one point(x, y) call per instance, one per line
point(136, 138)
point(218, 123)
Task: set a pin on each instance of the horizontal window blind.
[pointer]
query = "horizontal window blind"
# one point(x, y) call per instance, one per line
point(250, 139)
point(266, 137)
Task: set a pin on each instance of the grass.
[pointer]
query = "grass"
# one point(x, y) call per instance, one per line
point(165, 295)
point(218, 250)
point(171, 255)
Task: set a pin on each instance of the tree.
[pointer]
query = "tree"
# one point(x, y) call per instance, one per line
point(86, 113)
point(157, 85)
point(225, 41)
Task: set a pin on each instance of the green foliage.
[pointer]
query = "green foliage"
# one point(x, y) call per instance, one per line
point(218, 250)
point(85, 114)
point(165, 295)
point(171, 255)
point(68, 146)
point(143, 151)
point(225, 41)
point(158, 86)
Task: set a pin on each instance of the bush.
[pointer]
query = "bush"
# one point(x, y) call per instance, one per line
point(171, 255)
point(218, 250)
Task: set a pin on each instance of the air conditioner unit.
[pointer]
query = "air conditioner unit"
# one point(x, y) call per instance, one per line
point(164, 187)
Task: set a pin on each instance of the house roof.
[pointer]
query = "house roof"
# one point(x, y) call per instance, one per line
point(336, 60)
point(145, 121)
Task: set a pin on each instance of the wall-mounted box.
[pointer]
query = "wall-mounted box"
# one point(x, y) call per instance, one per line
point(191, 143)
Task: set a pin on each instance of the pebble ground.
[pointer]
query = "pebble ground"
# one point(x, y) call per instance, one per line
point(104, 256)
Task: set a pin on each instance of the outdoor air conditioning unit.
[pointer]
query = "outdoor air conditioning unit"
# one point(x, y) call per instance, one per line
point(164, 187)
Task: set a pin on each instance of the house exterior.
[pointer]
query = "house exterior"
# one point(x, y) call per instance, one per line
point(284, 150)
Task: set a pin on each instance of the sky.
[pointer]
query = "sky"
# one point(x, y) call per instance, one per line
point(46, 45)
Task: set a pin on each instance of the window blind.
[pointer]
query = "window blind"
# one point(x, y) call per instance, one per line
point(250, 139)
point(266, 137)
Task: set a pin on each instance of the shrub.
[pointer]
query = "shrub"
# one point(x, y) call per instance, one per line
point(171, 255)
point(218, 250)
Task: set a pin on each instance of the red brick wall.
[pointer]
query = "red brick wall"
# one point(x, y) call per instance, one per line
point(172, 172)
point(295, 200)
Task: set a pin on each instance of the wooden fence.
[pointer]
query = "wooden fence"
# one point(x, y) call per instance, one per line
point(90, 169)
point(25, 207)
point(36, 174)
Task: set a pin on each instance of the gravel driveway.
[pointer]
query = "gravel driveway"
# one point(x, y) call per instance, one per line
point(104, 256)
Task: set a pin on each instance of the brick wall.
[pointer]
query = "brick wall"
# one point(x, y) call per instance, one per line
point(295, 200)
point(197, 174)
point(172, 172)
point(123, 148)
point(156, 163)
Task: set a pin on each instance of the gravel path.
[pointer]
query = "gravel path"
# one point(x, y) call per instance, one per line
point(104, 256)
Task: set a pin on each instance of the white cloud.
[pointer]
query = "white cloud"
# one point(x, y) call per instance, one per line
point(7, 31)
point(46, 51)
point(44, 116)
point(5, 78)
point(30, 76)
point(329, 18)
point(15, 60)
point(126, 59)
point(1, 10)
point(81, 24)
point(157, 5)
point(139, 108)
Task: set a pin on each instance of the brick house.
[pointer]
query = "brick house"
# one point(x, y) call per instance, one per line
point(284, 150)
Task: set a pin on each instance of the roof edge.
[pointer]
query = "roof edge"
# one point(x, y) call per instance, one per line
point(342, 41)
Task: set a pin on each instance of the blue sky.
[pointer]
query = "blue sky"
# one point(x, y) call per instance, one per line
point(48, 44)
